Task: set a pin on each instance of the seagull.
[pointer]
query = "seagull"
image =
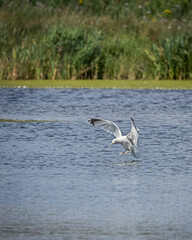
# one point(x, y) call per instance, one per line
point(129, 141)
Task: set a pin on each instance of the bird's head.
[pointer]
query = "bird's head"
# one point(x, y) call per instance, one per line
point(114, 141)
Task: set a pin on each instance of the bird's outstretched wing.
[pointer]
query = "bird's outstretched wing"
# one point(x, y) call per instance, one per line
point(134, 134)
point(107, 126)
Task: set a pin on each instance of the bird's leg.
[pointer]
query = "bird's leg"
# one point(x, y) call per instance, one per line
point(121, 153)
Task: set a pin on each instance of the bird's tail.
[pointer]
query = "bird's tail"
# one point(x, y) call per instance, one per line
point(134, 150)
point(135, 153)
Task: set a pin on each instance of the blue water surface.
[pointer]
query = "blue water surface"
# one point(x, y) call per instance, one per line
point(61, 179)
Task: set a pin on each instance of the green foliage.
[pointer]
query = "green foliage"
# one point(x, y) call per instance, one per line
point(79, 51)
point(98, 39)
point(171, 58)
point(124, 58)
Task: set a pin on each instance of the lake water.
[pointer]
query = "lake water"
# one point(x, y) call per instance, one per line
point(61, 179)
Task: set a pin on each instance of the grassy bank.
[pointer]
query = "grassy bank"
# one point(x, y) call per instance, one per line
point(121, 84)
point(97, 39)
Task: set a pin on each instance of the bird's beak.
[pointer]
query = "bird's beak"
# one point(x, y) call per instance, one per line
point(112, 143)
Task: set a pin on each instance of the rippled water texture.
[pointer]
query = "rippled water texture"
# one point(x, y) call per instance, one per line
point(61, 179)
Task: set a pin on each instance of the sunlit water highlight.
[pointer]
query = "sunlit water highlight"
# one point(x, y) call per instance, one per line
point(61, 179)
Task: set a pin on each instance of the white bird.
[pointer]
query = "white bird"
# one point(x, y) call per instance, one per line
point(129, 141)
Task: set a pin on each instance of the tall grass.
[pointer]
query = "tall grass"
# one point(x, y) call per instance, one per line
point(95, 39)
point(172, 58)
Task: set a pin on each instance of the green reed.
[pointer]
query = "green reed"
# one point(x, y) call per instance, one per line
point(95, 39)
point(171, 58)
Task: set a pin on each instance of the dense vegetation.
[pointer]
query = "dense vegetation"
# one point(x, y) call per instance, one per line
point(98, 39)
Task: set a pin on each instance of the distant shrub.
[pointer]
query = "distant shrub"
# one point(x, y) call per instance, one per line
point(171, 58)
point(115, 8)
point(98, 39)
point(79, 51)
point(124, 58)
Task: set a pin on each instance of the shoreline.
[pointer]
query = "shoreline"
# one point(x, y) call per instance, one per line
point(99, 84)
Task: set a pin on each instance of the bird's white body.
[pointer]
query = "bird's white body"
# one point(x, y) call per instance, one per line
point(126, 143)
point(129, 141)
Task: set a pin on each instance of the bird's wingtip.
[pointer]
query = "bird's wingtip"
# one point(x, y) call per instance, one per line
point(138, 130)
point(91, 120)
point(132, 119)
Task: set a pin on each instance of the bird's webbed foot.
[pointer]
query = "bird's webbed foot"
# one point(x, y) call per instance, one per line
point(121, 153)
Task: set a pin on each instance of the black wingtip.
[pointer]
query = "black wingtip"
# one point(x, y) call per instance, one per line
point(90, 121)
point(132, 120)
point(93, 120)
point(138, 130)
